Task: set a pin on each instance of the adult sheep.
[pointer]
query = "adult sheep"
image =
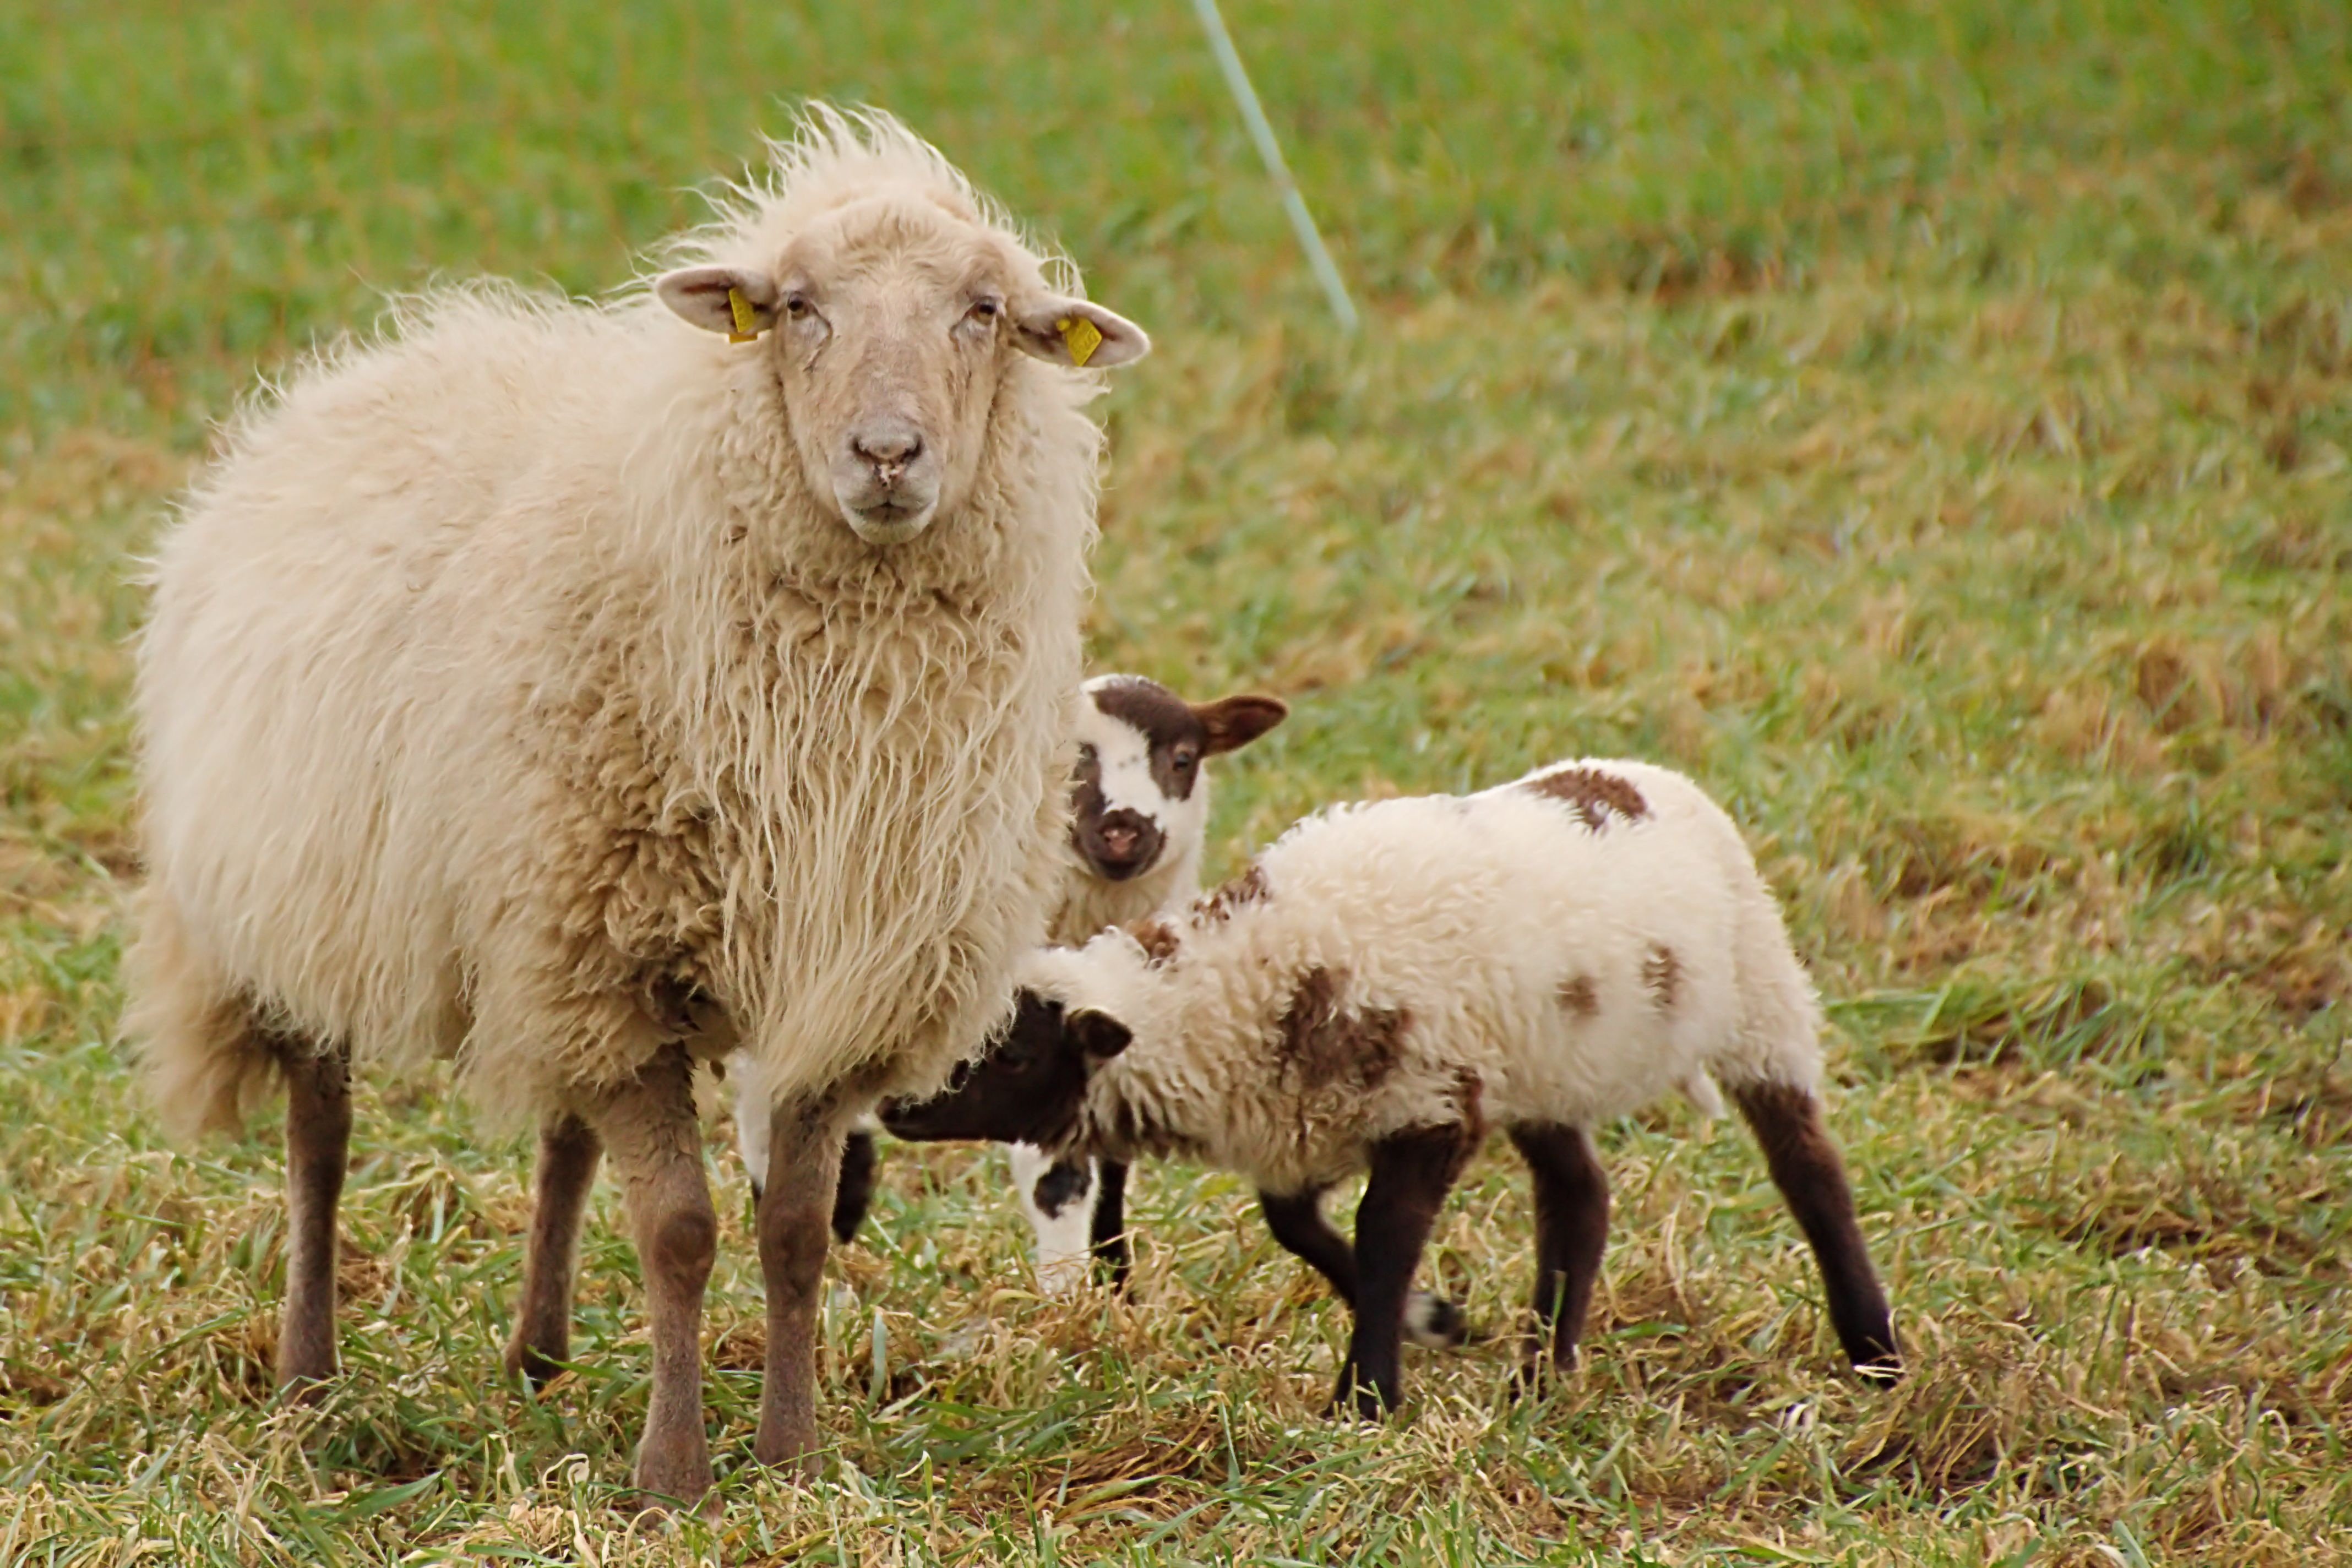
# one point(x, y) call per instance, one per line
point(580, 690)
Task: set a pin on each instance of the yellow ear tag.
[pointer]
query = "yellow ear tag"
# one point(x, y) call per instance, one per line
point(747, 325)
point(1082, 336)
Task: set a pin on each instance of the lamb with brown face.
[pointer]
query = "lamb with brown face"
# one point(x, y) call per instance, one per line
point(1139, 806)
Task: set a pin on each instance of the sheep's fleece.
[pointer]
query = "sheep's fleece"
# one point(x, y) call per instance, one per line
point(511, 694)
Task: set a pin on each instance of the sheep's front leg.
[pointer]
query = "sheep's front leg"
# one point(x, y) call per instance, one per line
point(1571, 1233)
point(1106, 1231)
point(1412, 1174)
point(805, 1155)
point(655, 1142)
point(852, 1194)
point(1296, 1222)
point(569, 1151)
point(318, 1143)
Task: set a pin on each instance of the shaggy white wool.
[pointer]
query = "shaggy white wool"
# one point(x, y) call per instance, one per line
point(510, 692)
point(1514, 956)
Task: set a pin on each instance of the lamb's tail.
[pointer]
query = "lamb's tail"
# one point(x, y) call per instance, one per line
point(205, 1056)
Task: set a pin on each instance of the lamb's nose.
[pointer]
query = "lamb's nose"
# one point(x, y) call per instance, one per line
point(890, 445)
point(1118, 840)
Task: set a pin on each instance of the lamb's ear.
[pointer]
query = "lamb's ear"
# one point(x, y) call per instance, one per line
point(1098, 1034)
point(1234, 723)
point(709, 296)
point(1063, 331)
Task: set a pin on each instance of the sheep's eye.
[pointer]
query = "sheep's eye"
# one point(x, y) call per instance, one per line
point(983, 313)
point(797, 306)
point(1186, 757)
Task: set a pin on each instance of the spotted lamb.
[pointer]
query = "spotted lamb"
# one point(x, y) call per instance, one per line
point(1388, 983)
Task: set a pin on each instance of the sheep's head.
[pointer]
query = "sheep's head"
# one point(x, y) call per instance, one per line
point(1139, 786)
point(1029, 1085)
point(892, 322)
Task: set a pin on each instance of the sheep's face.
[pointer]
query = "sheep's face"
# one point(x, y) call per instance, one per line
point(892, 325)
point(1027, 1088)
point(1139, 786)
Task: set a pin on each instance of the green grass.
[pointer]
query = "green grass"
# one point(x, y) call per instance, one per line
point(1930, 426)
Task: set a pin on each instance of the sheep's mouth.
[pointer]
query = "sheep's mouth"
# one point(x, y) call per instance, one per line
point(889, 521)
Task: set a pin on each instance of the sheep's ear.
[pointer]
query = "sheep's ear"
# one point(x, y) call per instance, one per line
point(1234, 723)
point(1098, 1034)
point(1063, 331)
point(709, 297)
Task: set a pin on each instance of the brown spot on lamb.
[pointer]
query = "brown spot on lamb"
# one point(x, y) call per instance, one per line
point(1578, 996)
point(1594, 794)
point(1662, 977)
point(1217, 908)
point(1326, 1043)
point(1160, 941)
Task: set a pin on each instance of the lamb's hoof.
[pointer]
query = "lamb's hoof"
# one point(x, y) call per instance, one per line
point(536, 1367)
point(795, 1457)
point(1435, 1321)
point(1353, 1401)
point(648, 1501)
point(1880, 1372)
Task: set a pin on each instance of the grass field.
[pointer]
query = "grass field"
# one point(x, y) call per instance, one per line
point(1930, 425)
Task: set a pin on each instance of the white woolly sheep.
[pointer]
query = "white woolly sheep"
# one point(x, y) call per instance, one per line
point(580, 691)
point(1138, 802)
point(1389, 982)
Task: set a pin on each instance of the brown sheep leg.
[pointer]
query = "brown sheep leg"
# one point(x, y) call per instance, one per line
point(1571, 1233)
point(317, 1142)
point(1412, 1174)
point(655, 1140)
point(1806, 1168)
point(804, 1157)
point(569, 1151)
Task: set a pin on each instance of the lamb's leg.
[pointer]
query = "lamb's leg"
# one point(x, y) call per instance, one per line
point(569, 1151)
point(1298, 1223)
point(1805, 1166)
point(655, 1140)
point(1571, 1232)
point(1412, 1173)
point(804, 1156)
point(317, 1142)
point(853, 1192)
point(1057, 1195)
point(1108, 1231)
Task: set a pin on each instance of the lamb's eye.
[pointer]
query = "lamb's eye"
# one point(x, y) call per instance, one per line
point(797, 306)
point(1186, 757)
point(983, 313)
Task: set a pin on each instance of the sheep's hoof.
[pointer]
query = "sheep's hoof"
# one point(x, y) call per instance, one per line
point(795, 1457)
point(675, 1486)
point(1435, 1321)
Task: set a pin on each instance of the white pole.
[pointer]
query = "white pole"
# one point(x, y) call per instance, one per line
point(1302, 222)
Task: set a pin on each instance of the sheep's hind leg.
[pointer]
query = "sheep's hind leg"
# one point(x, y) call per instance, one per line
point(318, 1143)
point(1571, 1233)
point(1805, 1166)
point(569, 1151)
point(1412, 1174)
point(655, 1142)
point(804, 1157)
point(1296, 1222)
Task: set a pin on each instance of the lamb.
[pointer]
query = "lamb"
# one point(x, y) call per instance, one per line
point(584, 691)
point(1139, 804)
point(1387, 982)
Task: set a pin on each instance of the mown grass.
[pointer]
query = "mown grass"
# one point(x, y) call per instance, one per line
point(1927, 426)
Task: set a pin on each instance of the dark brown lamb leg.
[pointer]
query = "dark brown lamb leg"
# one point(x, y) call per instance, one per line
point(569, 1151)
point(1571, 1232)
point(318, 1143)
point(1805, 1166)
point(1412, 1174)
point(1296, 1222)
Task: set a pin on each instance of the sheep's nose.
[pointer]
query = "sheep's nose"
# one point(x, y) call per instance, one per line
point(889, 446)
point(1118, 839)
